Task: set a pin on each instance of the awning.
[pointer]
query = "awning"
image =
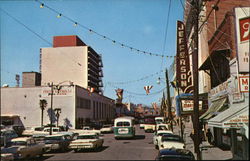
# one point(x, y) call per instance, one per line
point(217, 106)
point(215, 55)
point(234, 117)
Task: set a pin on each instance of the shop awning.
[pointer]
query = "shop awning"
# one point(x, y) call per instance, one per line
point(216, 54)
point(216, 107)
point(234, 117)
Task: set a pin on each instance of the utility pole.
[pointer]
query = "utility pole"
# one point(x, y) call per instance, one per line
point(195, 8)
point(169, 102)
point(51, 107)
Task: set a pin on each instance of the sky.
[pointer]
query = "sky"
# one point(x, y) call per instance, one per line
point(146, 25)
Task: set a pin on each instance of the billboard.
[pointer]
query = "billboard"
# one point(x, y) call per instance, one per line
point(242, 18)
point(183, 73)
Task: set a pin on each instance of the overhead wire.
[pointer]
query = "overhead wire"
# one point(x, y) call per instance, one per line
point(101, 35)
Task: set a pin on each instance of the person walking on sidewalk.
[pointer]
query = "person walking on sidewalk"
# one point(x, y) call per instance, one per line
point(209, 136)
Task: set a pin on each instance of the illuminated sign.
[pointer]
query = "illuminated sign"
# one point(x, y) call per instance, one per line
point(188, 105)
point(183, 73)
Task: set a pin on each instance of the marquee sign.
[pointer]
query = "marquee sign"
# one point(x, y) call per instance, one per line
point(183, 73)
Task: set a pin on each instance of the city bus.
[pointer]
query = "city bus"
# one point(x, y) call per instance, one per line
point(160, 120)
point(124, 127)
point(149, 123)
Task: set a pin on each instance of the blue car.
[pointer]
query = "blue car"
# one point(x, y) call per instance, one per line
point(175, 154)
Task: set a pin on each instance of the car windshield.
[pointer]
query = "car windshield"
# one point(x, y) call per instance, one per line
point(86, 137)
point(13, 143)
point(53, 138)
point(124, 123)
point(171, 138)
point(160, 134)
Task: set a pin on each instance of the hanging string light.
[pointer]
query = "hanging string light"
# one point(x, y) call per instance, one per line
point(105, 37)
point(41, 5)
point(59, 15)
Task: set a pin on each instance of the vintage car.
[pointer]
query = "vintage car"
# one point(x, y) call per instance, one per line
point(57, 142)
point(29, 131)
point(86, 141)
point(157, 136)
point(175, 154)
point(141, 126)
point(24, 148)
point(88, 129)
point(162, 127)
point(7, 135)
point(7, 157)
point(106, 129)
point(171, 141)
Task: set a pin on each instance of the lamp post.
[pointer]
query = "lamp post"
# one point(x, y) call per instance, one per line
point(58, 88)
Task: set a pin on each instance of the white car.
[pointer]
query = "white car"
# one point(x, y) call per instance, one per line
point(86, 141)
point(57, 142)
point(171, 141)
point(162, 127)
point(87, 129)
point(106, 129)
point(25, 147)
point(141, 126)
point(7, 157)
point(157, 136)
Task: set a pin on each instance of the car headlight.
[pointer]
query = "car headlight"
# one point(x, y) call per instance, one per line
point(162, 146)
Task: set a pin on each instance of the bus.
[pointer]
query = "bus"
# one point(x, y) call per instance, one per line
point(149, 123)
point(124, 127)
point(160, 120)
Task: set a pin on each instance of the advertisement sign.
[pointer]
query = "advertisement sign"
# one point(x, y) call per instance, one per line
point(188, 105)
point(183, 73)
point(244, 84)
point(243, 34)
point(62, 92)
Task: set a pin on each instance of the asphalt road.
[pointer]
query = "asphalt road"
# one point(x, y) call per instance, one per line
point(139, 148)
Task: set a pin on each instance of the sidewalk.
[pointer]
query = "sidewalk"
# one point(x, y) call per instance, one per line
point(211, 152)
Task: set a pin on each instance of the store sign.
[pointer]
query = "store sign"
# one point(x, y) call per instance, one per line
point(243, 35)
point(237, 121)
point(183, 73)
point(188, 105)
point(219, 89)
point(244, 83)
point(61, 92)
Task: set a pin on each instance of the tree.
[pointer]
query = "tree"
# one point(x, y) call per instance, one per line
point(43, 104)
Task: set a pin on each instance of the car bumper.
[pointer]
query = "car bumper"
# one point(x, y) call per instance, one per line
point(86, 146)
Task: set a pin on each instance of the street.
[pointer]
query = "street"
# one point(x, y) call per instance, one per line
point(139, 148)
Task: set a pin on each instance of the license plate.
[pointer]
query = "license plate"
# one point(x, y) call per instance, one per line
point(123, 131)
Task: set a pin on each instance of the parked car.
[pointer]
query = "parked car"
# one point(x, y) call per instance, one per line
point(24, 148)
point(29, 131)
point(86, 141)
point(88, 129)
point(141, 126)
point(157, 136)
point(57, 142)
point(171, 141)
point(7, 135)
point(106, 129)
point(175, 154)
point(162, 127)
point(7, 157)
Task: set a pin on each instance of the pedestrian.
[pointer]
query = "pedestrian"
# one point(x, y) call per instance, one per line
point(209, 136)
point(192, 135)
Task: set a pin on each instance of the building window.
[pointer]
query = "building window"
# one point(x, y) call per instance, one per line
point(83, 103)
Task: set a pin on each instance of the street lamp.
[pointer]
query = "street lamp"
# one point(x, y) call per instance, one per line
point(58, 88)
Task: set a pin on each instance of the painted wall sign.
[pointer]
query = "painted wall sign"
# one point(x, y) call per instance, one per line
point(61, 92)
point(183, 73)
point(243, 35)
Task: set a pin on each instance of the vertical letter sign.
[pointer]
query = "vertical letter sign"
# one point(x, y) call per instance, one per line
point(183, 73)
